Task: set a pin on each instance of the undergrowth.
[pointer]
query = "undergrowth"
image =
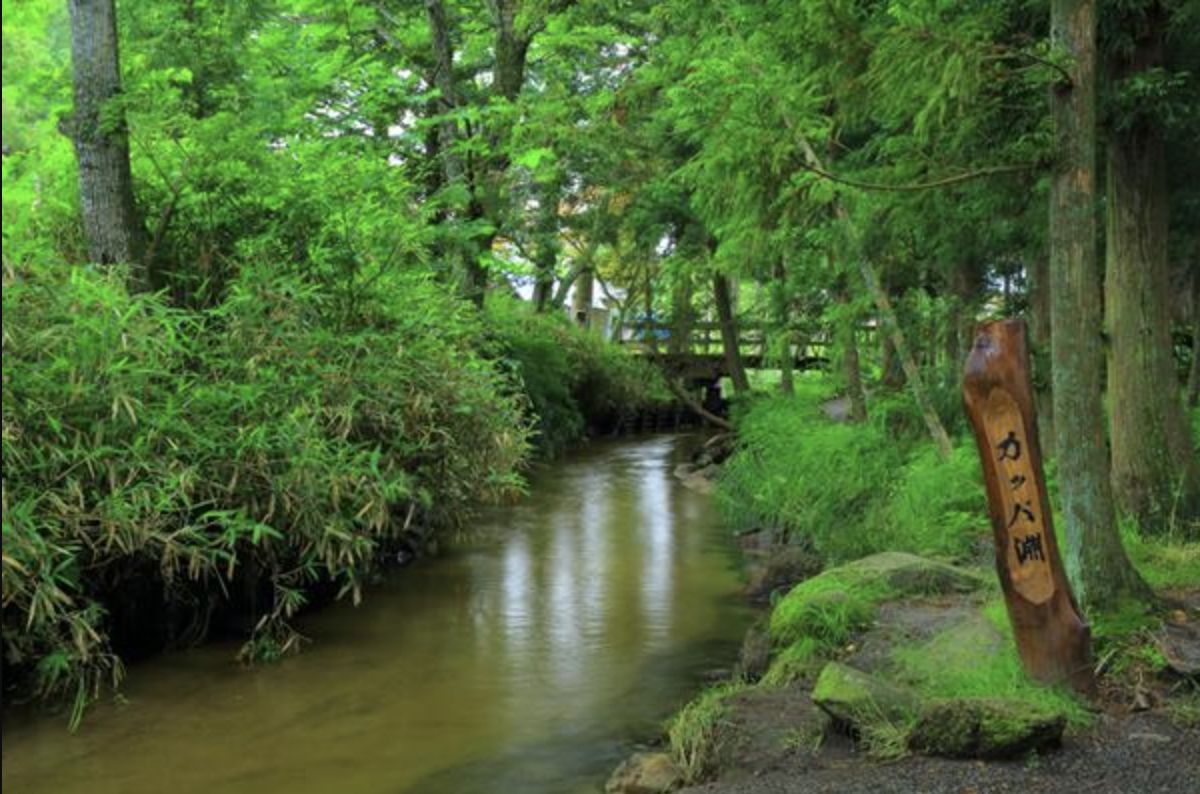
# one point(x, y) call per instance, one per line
point(849, 490)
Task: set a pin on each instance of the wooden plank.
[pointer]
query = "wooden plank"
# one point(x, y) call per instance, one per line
point(1052, 638)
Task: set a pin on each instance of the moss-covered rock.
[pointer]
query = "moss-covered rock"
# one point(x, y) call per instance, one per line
point(645, 773)
point(833, 605)
point(857, 700)
point(986, 728)
point(905, 575)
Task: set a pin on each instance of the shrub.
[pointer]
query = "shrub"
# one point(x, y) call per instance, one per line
point(574, 379)
point(268, 443)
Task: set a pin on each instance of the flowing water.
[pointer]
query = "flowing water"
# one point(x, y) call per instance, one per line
point(526, 659)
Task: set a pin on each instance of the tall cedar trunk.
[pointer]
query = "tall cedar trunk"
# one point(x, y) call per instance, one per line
point(1193, 388)
point(783, 322)
point(1095, 558)
point(1155, 472)
point(111, 225)
point(729, 333)
point(846, 341)
point(1039, 334)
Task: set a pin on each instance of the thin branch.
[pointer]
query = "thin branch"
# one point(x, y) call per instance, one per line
point(934, 184)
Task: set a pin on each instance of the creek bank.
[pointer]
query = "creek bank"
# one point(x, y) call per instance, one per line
point(899, 658)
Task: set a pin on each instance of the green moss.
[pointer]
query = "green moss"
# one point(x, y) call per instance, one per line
point(978, 659)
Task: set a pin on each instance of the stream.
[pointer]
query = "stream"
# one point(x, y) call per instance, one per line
point(528, 657)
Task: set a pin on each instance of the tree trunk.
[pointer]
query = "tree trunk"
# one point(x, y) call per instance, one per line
point(111, 225)
point(1095, 559)
point(846, 341)
point(916, 383)
point(581, 298)
point(1039, 334)
point(469, 273)
point(1193, 389)
point(1155, 473)
point(729, 333)
point(787, 361)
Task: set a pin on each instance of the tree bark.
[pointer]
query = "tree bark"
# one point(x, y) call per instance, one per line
point(1193, 388)
point(846, 343)
point(1039, 336)
point(111, 225)
point(1095, 558)
point(1155, 472)
point(916, 383)
point(581, 299)
point(729, 333)
point(787, 361)
point(469, 273)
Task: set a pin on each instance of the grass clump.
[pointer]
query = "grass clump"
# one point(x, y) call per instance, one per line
point(698, 731)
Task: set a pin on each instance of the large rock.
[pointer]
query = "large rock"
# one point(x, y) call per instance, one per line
point(986, 728)
point(907, 575)
point(782, 567)
point(644, 773)
point(855, 700)
point(755, 657)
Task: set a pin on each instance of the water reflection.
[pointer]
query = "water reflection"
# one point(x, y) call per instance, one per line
point(525, 660)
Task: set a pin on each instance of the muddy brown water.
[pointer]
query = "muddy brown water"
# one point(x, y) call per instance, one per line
point(528, 658)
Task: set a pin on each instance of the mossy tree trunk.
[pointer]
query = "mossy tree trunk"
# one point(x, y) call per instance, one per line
point(1155, 473)
point(1095, 558)
point(111, 225)
point(1039, 335)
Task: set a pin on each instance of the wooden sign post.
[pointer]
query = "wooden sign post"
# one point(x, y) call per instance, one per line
point(1053, 640)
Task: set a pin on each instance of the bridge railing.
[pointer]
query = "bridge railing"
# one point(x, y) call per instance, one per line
point(704, 339)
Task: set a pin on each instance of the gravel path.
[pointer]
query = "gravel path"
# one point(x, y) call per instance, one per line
point(1138, 754)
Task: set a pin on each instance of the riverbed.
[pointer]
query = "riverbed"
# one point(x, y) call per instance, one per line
point(530, 657)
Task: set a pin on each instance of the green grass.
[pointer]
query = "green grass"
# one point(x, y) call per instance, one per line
point(848, 490)
point(697, 732)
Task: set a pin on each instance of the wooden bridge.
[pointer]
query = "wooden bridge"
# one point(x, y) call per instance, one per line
point(701, 358)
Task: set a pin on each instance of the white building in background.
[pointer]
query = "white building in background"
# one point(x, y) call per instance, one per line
point(602, 314)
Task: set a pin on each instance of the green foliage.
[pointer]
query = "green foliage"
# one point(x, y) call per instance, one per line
point(575, 380)
point(848, 490)
point(815, 479)
point(267, 434)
